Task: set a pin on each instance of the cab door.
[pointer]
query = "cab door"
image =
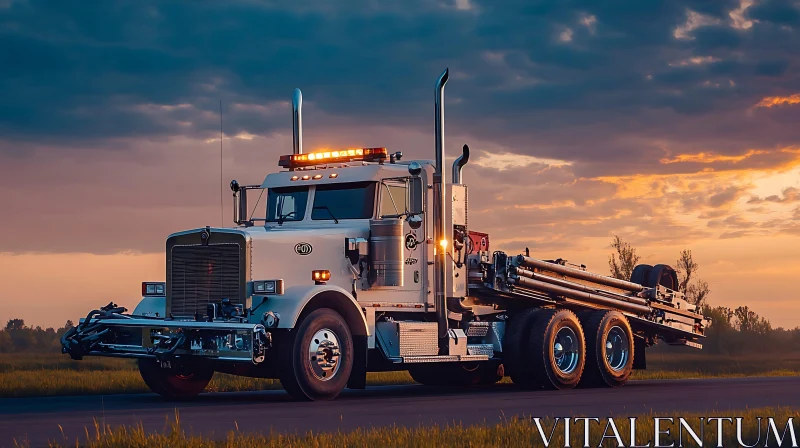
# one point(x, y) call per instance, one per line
point(396, 199)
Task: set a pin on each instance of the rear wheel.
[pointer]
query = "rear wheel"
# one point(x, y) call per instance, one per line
point(179, 381)
point(317, 357)
point(609, 349)
point(514, 346)
point(556, 350)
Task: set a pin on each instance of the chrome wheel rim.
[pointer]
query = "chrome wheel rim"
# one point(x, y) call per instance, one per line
point(324, 354)
point(617, 349)
point(565, 350)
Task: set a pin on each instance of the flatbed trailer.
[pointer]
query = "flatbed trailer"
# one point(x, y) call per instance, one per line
point(365, 262)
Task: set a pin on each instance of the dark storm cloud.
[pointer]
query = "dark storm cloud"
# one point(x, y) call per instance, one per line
point(78, 71)
point(781, 12)
point(102, 90)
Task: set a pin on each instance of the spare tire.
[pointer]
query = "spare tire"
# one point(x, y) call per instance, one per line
point(641, 274)
point(663, 275)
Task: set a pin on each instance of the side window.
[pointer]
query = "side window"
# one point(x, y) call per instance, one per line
point(394, 198)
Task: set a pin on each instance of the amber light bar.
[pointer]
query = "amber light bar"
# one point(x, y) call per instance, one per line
point(341, 155)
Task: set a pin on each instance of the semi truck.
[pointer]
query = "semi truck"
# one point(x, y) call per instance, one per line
point(360, 261)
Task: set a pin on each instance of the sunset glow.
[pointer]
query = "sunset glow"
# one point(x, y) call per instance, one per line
point(672, 125)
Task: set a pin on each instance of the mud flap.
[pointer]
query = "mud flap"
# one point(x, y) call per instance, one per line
point(358, 376)
point(639, 354)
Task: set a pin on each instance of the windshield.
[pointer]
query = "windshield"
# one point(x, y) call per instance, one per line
point(286, 204)
point(344, 201)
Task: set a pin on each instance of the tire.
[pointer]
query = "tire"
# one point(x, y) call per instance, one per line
point(605, 369)
point(181, 381)
point(514, 343)
point(316, 358)
point(641, 274)
point(663, 275)
point(456, 374)
point(556, 351)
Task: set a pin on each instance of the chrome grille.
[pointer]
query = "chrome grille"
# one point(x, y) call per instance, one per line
point(204, 274)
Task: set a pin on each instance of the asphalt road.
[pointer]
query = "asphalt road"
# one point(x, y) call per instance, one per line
point(37, 420)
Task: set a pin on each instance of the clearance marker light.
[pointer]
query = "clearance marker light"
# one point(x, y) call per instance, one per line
point(342, 155)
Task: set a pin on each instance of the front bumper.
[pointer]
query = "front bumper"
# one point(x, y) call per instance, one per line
point(109, 332)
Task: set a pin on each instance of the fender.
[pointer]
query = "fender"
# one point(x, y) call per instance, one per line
point(152, 306)
point(293, 302)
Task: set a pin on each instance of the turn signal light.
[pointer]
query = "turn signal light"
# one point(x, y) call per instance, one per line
point(321, 276)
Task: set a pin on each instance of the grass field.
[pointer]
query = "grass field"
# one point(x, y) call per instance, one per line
point(28, 375)
point(515, 432)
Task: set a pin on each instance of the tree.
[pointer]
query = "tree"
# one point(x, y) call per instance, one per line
point(695, 292)
point(15, 324)
point(622, 262)
point(747, 321)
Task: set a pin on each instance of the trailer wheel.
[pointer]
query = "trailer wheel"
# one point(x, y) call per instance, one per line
point(514, 343)
point(556, 350)
point(180, 381)
point(610, 349)
point(317, 357)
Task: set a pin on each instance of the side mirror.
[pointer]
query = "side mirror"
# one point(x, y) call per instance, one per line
point(414, 221)
point(239, 204)
point(414, 169)
point(416, 193)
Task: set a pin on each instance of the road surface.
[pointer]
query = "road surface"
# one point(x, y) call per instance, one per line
point(37, 420)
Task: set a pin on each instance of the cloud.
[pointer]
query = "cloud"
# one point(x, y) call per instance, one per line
point(621, 126)
point(790, 194)
point(773, 101)
point(694, 20)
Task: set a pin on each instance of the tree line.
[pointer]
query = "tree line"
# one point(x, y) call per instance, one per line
point(733, 330)
point(17, 337)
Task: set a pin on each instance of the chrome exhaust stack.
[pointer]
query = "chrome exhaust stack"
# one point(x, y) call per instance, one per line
point(459, 163)
point(297, 122)
point(439, 235)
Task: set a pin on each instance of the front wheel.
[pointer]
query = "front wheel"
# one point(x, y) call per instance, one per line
point(317, 356)
point(179, 381)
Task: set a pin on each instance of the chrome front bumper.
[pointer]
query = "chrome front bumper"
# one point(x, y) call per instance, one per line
point(120, 335)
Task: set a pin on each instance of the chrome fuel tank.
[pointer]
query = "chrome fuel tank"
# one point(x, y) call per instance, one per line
point(386, 252)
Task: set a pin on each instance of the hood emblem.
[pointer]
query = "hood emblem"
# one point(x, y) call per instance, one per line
point(303, 248)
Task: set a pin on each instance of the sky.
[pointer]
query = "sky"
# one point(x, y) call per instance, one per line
point(673, 124)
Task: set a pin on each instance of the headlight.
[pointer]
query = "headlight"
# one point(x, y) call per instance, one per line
point(263, 287)
point(153, 288)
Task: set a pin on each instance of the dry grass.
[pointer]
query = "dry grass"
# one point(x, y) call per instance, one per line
point(516, 432)
point(45, 375)
point(41, 375)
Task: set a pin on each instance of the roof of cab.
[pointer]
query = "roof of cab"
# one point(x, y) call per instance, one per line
point(350, 173)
